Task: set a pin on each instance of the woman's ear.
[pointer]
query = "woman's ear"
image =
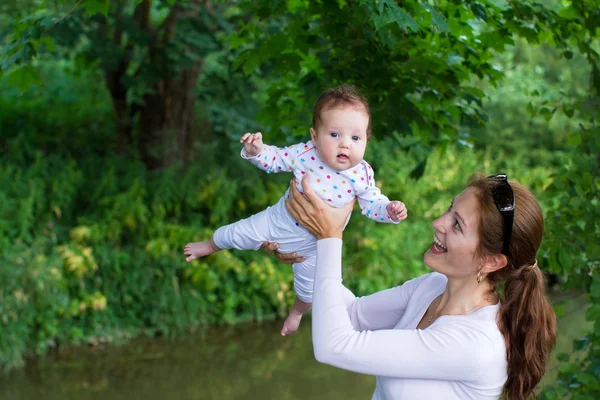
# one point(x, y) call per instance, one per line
point(494, 262)
point(313, 135)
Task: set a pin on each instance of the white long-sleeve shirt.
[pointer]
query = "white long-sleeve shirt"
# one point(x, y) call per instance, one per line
point(457, 357)
point(335, 187)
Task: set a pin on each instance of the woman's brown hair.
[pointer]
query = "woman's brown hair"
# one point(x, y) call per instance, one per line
point(526, 317)
point(343, 95)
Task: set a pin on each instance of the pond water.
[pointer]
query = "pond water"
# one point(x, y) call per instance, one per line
point(243, 362)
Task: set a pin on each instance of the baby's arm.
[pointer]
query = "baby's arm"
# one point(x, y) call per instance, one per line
point(375, 205)
point(271, 159)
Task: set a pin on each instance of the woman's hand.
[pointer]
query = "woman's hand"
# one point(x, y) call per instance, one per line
point(286, 258)
point(322, 220)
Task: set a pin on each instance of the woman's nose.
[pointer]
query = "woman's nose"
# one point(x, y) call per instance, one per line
point(439, 223)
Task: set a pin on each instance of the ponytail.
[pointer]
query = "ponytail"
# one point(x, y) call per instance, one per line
point(528, 323)
point(526, 318)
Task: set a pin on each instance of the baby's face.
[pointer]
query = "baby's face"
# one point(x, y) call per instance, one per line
point(341, 139)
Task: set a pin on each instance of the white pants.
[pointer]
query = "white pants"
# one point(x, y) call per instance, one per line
point(275, 224)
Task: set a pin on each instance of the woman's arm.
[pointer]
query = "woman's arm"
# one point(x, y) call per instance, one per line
point(378, 311)
point(443, 351)
point(381, 310)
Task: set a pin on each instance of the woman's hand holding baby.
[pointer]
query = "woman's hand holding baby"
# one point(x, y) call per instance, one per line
point(322, 220)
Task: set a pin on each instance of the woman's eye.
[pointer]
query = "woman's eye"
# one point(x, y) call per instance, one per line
point(355, 138)
point(334, 134)
point(457, 225)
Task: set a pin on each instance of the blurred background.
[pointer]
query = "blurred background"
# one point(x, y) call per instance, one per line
point(119, 128)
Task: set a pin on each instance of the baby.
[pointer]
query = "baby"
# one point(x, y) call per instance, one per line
point(333, 162)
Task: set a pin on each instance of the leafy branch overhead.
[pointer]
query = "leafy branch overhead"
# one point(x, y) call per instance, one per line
point(416, 63)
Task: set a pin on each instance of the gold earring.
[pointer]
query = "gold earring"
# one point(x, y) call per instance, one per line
point(479, 277)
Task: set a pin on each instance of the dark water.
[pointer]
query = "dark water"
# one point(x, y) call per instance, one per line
point(245, 362)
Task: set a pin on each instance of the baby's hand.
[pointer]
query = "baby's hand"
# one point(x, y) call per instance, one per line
point(253, 143)
point(397, 210)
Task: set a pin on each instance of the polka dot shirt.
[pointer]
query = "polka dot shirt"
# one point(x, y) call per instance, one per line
point(335, 187)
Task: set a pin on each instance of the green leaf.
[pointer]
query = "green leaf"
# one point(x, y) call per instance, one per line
point(252, 62)
point(589, 380)
point(546, 113)
point(48, 43)
point(96, 6)
point(437, 19)
point(23, 77)
point(297, 5)
point(574, 139)
point(595, 288)
point(400, 16)
point(581, 343)
point(564, 258)
point(569, 111)
point(596, 77)
point(531, 109)
point(568, 368)
point(593, 312)
point(474, 91)
point(379, 21)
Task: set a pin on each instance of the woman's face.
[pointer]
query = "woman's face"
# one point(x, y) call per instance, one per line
point(453, 252)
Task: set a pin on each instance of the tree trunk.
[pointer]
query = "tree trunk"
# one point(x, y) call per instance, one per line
point(123, 120)
point(166, 121)
point(113, 75)
point(167, 116)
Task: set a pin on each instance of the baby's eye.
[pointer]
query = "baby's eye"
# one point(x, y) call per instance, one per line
point(334, 134)
point(356, 138)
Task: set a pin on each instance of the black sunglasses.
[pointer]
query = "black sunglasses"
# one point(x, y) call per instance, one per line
point(505, 203)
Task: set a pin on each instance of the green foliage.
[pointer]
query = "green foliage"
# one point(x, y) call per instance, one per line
point(418, 84)
point(91, 241)
point(115, 268)
point(574, 251)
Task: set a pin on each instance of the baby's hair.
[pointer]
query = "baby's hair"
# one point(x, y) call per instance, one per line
point(343, 95)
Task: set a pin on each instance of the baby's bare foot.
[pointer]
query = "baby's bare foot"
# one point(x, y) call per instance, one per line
point(199, 249)
point(291, 324)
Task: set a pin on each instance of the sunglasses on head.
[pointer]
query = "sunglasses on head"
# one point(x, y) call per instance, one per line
point(505, 203)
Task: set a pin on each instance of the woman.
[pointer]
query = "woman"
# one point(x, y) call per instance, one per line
point(448, 334)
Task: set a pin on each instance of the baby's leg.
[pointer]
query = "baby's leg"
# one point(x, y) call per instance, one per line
point(200, 249)
point(245, 234)
point(304, 273)
point(292, 322)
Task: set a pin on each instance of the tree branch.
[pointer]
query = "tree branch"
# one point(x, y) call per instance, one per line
point(64, 16)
